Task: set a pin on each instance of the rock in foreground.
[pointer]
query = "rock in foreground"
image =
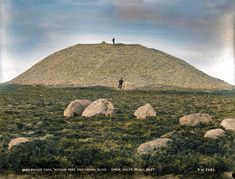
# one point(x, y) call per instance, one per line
point(151, 146)
point(145, 111)
point(214, 133)
point(195, 119)
point(17, 141)
point(76, 107)
point(100, 106)
point(228, 124)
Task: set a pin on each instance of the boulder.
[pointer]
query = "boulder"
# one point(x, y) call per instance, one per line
point(194, 119)
point(128, 86)
point(17, 141)
point(214, 133)
point(228, 124)
point(100, 106)
point(76, 107)
point(145, 111)
point(151, 146)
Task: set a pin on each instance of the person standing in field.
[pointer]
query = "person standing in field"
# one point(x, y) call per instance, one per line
point(113, 40)
point(120, 82)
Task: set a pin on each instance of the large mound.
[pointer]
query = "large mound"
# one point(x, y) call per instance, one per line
point(104, 64)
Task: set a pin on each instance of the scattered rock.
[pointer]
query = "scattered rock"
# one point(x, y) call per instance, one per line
point(128, 86)
point(194, 119)
point(17, 141)
point(100, 106)
point(149, 147)
point(228, 124)
point(76, 107)
point(145, 111)
point(214, 133)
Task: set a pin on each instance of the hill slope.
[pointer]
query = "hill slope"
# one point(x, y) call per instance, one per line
point(104, 64)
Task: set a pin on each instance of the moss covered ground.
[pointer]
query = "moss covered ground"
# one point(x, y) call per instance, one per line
point(111, 142)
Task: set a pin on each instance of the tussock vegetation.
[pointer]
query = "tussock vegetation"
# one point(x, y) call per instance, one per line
point(108, 142)
point(104, 64)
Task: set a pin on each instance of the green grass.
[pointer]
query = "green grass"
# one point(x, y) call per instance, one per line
point(108, 142)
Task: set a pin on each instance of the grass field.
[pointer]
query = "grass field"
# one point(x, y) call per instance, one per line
point(109, 142)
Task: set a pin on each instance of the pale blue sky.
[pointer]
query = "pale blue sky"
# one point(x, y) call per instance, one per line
point(198, 31)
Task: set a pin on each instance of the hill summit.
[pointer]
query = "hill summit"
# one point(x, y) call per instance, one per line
point(104, 64)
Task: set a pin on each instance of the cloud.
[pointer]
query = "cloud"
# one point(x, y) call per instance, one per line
point(81, 2)
point(179, 14)
point(208, 23)
point(187, 15)
point(4, 20)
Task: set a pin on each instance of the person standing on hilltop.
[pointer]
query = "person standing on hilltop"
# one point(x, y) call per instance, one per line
point(113, 40)
point(120, 82)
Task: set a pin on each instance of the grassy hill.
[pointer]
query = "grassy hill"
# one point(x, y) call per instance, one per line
point(103, 65)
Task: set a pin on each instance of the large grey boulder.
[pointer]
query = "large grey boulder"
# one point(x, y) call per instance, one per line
point(214, 133)
point(228, 124)
point(76, 107)
point(194, 119)
point(151, 146)
point(17, 141)
point(145, 111)
point(100, 106)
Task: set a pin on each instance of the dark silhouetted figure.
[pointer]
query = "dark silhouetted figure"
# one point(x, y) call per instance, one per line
point(113, 40)
point(120, 82)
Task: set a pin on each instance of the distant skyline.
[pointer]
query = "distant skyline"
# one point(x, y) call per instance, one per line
point(201, 32)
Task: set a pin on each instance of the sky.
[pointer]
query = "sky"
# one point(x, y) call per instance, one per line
point(201, 32)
